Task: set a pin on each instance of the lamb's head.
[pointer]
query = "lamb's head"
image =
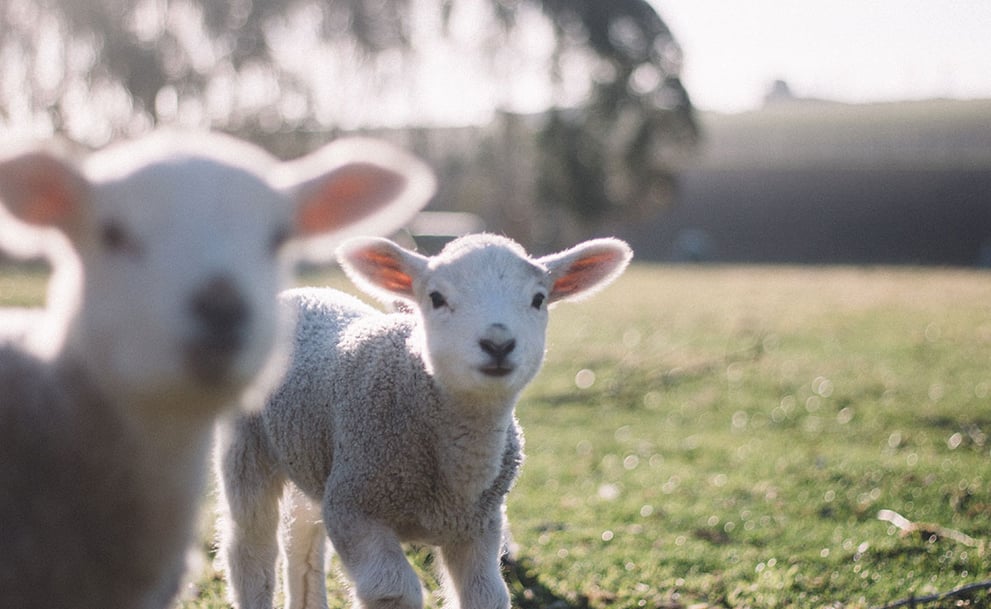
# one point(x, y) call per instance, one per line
point(483, 302)
point(182, 242)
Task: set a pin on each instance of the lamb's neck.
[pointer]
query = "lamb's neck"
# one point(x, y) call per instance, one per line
point(175, 446)
point(169, 443)
point(162, 457)
point(472, 441)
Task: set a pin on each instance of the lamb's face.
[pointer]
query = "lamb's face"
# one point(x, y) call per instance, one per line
point(483, 302)
point(183, 265)
point(485, 318)
point(178, 243)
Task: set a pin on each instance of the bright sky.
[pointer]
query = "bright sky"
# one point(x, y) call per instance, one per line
point(850, 50)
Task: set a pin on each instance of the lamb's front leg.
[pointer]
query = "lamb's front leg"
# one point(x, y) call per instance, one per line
point(250, 489)
point(304, 539)
point(474, 578)
point(373, 559)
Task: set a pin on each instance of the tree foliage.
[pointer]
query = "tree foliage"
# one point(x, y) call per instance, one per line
point(97, 69)
point(615, 156)
point(137, 56)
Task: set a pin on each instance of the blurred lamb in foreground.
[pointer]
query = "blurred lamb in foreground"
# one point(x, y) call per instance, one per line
point(169, 253)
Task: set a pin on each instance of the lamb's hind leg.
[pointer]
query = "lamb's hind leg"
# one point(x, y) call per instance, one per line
point(251, 486)
point(304, 540)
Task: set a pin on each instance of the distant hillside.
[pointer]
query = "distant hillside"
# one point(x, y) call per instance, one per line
point(801, 133)
point(906, 183)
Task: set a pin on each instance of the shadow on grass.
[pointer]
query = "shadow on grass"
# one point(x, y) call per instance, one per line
point(529, 593)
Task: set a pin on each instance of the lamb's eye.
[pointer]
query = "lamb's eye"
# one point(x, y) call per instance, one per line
point(437, 299)
point(279, 238)
point(538, 300)
point(115, 239)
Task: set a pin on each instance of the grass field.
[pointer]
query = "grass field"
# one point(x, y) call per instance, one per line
point(707, 437)
point(743, 430)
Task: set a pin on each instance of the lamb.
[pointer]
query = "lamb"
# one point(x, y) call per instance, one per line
point(397, 427)
point(169, 254)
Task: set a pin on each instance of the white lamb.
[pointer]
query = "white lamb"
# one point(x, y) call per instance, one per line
point(400, 425)
point(170, 252)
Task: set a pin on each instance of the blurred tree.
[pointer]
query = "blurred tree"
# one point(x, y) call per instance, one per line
point(615, 157)
point(140, 59)
point(95, 69)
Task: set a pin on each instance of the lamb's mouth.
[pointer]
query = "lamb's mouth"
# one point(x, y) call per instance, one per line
point(496, 370)
point(212, 358)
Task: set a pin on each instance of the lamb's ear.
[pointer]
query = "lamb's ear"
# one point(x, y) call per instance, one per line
point(381, 268)
point(41, 190)
point(586, 268)
point(351, 187)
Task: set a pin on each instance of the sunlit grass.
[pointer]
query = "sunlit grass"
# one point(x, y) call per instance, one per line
point(725, 437)
point(743, 430)
point(22, 285)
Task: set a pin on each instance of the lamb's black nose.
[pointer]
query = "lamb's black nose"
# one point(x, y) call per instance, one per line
point(498, 350)
point(221, 315)
point(219, 306)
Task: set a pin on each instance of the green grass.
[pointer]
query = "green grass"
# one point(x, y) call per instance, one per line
point(22, 285)
point(744, 428)
point(734, 435)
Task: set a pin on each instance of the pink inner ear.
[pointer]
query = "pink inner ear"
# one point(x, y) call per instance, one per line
point(346, 196)
point(40, 190)
point(384, 271)
point(584, 272)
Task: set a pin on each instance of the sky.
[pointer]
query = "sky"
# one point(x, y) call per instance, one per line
point(848, 50)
